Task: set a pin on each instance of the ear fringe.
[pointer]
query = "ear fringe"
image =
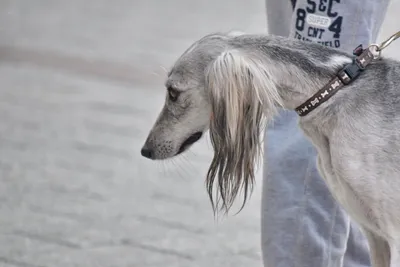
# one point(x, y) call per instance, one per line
point(243, 97)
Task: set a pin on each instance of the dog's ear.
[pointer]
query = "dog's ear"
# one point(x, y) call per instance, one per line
point(238, 90)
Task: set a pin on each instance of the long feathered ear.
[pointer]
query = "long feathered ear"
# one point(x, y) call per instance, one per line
point(242, 95)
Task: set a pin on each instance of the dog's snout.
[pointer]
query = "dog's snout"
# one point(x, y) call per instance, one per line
point(147, 152)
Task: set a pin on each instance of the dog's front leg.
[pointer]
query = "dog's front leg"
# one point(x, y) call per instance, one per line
point(379, 250)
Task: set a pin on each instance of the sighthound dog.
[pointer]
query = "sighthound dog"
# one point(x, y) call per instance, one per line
point(233, 84)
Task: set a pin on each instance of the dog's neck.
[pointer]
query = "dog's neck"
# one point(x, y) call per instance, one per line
point(298, 69)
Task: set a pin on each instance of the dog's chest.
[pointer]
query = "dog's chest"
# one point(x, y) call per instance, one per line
point(351, 201)
point(346, 197)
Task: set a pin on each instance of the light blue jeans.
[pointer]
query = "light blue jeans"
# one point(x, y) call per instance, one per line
point(302, 225)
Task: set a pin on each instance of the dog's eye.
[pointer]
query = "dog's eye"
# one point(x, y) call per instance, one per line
point(173, 94)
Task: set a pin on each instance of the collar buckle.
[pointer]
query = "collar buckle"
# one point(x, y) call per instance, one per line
point(350, 72)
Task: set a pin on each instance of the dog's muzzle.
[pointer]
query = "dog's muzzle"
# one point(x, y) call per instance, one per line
point(148, 150)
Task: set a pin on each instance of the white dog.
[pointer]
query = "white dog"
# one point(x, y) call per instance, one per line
point(232, 84)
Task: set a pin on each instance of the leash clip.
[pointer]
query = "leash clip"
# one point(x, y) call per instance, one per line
point(376, 49)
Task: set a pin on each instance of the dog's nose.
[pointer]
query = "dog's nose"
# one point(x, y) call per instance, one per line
point(146, 152)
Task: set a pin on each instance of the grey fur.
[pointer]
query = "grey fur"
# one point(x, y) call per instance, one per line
point(356, 132)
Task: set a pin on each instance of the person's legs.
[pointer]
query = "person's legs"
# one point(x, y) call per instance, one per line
point(302, 225)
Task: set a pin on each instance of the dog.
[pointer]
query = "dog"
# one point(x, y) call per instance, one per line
point(233, 85)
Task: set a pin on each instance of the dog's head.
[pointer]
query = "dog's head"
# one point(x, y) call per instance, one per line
point(216, 86)
point(186, 114)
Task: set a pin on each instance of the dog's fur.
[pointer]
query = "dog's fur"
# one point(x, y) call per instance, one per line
point(232, 84)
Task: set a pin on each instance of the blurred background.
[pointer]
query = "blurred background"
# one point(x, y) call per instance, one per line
point(81, 83)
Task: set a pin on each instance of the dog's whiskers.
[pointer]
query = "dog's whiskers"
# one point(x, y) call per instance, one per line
point(178, 168)
point(186, 160)
point(161, 164)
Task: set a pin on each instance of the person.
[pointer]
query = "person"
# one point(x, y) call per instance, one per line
point(302, 225)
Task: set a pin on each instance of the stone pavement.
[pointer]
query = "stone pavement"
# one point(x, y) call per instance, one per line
point(81, 84)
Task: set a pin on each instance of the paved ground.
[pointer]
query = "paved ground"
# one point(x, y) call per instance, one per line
point(81, 83)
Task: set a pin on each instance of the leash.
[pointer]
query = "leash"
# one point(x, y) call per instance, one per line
point(345, 76)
